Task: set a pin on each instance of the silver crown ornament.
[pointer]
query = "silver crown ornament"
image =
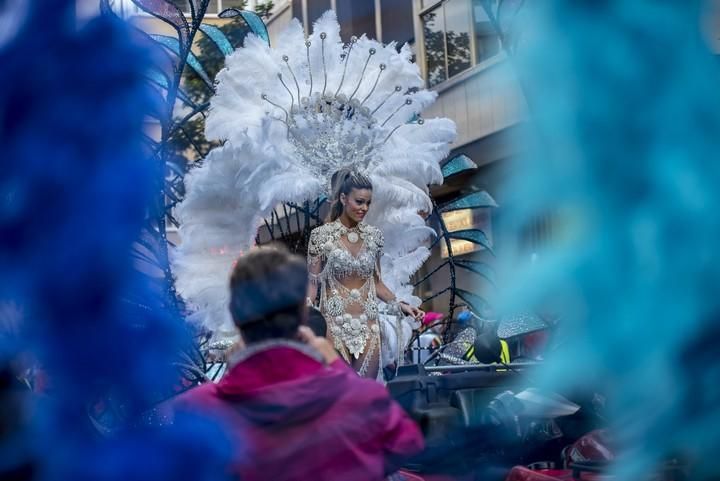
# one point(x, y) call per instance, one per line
point(330, 131)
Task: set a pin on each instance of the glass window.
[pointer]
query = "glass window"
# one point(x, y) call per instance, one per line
point(434, 35)
point(463, 219)
point(356, 18)
point(297, 11)
point(457, 36)
point(315, 9)
point(397, 21)
point(487, 44)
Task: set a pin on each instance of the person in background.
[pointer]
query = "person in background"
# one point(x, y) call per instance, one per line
point(344, 265)
point(292, 407)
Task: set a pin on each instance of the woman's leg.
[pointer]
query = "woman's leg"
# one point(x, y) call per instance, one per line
point(368, 365)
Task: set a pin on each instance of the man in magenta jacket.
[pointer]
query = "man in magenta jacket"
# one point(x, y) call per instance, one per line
point(292, 408)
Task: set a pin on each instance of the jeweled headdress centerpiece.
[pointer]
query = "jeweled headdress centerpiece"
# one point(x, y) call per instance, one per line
point(333, 130)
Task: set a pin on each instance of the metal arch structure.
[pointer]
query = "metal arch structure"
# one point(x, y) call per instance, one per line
point(176, 109)
point(473, 201)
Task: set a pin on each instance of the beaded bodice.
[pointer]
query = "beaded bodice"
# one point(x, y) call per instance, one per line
point(351, 312)
point(341, 263)
point(326, 246)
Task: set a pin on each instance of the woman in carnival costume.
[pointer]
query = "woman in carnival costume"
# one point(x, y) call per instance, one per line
point(292, 119)
point(344, 263)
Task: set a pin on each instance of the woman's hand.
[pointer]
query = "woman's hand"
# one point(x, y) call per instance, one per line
point(320, 344)
point(414, 312)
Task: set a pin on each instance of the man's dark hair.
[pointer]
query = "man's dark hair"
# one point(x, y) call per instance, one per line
point(316, 322)
point(268, 288)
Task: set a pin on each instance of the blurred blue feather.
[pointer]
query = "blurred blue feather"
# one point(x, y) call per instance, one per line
point(76, 190)
point(626, 134)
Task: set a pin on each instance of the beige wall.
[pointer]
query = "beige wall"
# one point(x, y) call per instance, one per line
point(279, 20)
point(481, 101)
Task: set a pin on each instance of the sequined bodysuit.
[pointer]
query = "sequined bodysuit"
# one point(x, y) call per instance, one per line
point(345, 274)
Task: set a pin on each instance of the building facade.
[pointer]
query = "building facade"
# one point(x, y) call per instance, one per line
point(464, 59)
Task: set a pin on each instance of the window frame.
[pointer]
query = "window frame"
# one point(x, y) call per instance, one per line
point(424, 12)
point(420, 29)
point(429, 7)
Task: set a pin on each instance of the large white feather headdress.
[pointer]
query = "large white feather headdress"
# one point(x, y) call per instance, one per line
point(290, 117)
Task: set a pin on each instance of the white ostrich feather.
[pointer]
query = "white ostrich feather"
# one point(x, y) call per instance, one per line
point(289, 117)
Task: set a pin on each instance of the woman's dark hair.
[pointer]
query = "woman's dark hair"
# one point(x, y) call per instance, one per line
point(343, 182)
point(268, 288)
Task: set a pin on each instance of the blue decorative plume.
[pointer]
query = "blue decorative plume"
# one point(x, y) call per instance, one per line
point(75, 192)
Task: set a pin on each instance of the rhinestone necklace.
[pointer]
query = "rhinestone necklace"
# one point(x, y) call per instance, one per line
point(352, 234)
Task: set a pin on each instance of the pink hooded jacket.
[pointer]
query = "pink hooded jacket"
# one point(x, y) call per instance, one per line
point(293, 418)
